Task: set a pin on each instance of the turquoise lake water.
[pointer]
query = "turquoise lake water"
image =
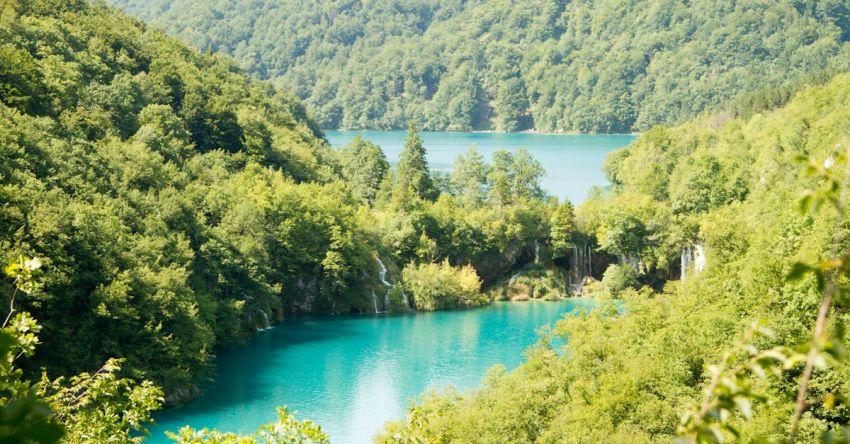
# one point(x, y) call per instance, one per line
point(352, 374)
point(573, 163)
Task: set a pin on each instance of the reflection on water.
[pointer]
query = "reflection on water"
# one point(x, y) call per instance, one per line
point(352, 374)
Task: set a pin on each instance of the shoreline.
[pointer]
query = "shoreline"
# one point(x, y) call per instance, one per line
point(530, 131)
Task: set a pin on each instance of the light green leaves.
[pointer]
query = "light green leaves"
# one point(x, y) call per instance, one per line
point(287, 430)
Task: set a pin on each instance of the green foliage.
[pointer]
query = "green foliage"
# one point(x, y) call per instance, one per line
point(499, 64)
point(515, 177)
point(287, 430)
point(469, 179)
point(413, 178)
point(364, 167)
point(618, 278)
point(627, 376)
point(172, 197)
point(101, 407)
point(178, 204)
point(561, 228)
point(534, 282)
point(440, 286)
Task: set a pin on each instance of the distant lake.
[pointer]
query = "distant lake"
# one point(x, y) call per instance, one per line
point(573, 163)
point(353, 373)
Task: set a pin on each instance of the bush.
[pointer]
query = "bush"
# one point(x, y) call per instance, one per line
point(442, 286)
point(618, 278)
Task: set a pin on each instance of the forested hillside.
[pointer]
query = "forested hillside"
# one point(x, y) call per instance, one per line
point(550, 65)
point(731, 189)
point(177, 205)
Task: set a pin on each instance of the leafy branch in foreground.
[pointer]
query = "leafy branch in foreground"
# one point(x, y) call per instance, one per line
point(98, 407)
point(730, 391)
point(287, 430)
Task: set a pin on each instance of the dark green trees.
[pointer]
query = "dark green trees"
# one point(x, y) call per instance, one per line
point(175, 201)
point(508, 65)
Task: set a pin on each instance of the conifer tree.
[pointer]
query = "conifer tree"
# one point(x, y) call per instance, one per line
point(414, 178)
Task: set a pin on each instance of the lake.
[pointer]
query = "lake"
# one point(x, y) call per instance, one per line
point(351, 374)
point(573, 163)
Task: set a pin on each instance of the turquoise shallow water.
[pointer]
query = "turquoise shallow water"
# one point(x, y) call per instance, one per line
point(573, 163)
point(352, 374)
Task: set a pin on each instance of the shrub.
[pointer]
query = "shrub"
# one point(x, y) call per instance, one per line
point(618, 278)
point(438, 286)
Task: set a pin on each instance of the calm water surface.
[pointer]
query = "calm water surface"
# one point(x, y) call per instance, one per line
point(352, 374)
point(573, 163)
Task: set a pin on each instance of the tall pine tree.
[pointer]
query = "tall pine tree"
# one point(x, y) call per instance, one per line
point(413, 177)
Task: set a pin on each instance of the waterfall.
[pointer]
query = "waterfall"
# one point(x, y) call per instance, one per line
point(685, 259)
point(692, 257)
point(514, 277)
point(581, 266)
point(382, 275)
point(404, 299)
point(375, 301)
point(699, 258)
point(536, 251)
point(265, 325)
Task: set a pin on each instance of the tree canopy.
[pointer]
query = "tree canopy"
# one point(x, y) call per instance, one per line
point(717, 351)
point(178, 205)
point(551, 65)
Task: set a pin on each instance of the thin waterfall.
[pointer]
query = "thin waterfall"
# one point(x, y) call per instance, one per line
point(375, 301)
point(692, 258)
point(265, 324)
point(699, 258)
point(581, 266)
point(382, 275)
point(514, 277)
point(404, 299)
point(536, 252)
point(685, 259)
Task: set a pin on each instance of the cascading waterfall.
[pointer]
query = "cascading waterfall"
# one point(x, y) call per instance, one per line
point(382, 275)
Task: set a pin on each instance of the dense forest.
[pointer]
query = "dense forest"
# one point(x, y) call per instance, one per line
point(548, 65)
point(158, 204)
point(731, 188)
point(173, 205)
